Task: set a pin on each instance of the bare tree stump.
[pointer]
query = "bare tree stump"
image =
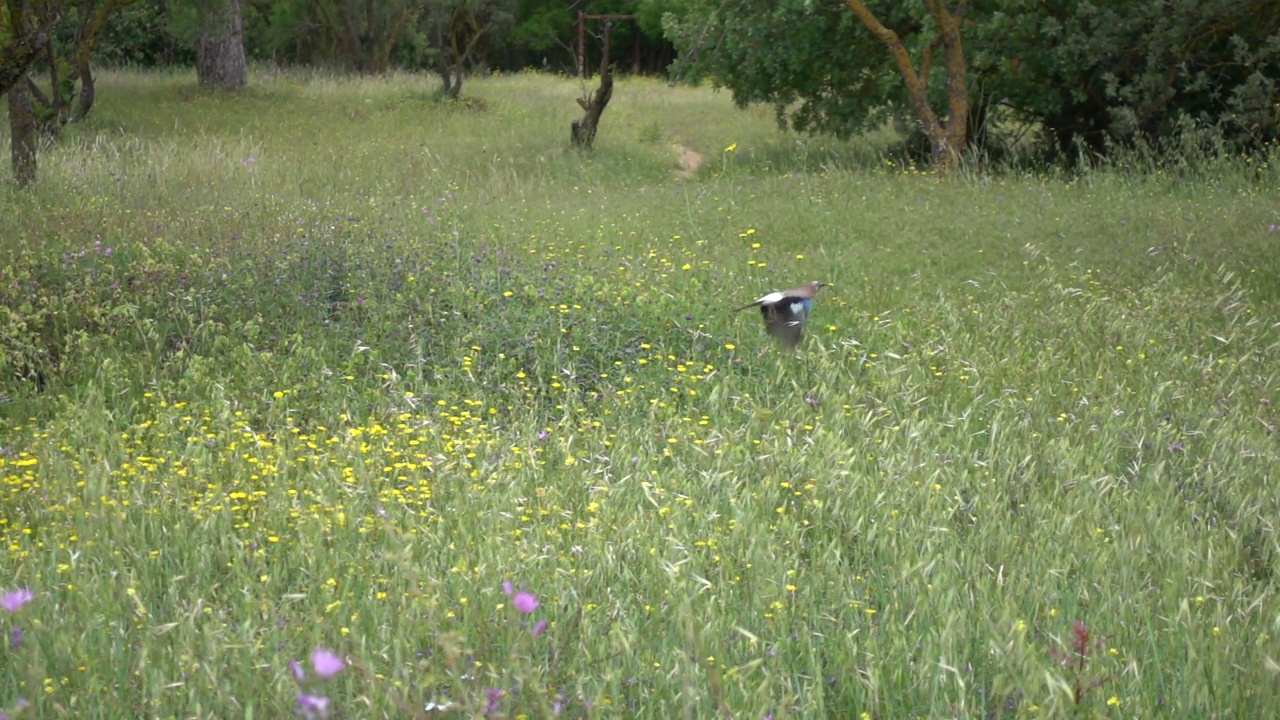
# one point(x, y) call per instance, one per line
point(583, 132)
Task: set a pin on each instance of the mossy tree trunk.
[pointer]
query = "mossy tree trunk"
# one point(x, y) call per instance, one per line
point(22, 133)
point(220, 61)
point(25, 41)
point(14, 61)
point(24, 46)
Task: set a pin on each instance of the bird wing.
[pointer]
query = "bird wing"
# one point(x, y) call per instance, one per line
point(766, 300)
point(784, 320)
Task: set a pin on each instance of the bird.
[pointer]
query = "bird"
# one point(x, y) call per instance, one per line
point(785, 312)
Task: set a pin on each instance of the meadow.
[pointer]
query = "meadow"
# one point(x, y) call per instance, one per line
point(461, 420)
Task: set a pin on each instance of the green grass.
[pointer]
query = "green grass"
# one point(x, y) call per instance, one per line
point(356, 357)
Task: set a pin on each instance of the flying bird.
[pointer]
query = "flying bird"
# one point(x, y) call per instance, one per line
point(785, 312)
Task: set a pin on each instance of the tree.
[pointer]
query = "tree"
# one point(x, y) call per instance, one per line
point(1093, 74)
point(67, 59)
point(946, 138)
point(456, 28)
point(366, 32)
point(220, 59)
point(831, 66)
point(22, 134)
point(582, 132)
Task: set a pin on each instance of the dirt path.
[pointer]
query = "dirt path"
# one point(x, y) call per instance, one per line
point(690, 161)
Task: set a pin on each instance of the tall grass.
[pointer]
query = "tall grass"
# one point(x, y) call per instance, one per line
point(324, 364)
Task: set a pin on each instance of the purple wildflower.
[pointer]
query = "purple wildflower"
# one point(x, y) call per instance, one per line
point(542, 434)
point(313, 706)
point(295, 668)
point(495, 698)
point(539, 628)
point(15, 599)
point(326, 663)
point(15, 638)
point(525, 601)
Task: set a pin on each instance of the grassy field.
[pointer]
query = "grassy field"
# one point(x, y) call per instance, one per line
point(324, 365)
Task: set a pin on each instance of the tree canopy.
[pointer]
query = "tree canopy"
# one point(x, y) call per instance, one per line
point(1088, 73)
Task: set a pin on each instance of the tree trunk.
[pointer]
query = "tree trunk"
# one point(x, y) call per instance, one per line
point(945, 142)
point(88, 93)
point(452, 92)
point(451, 89)
point(22, 134)
point(455, 52)
point(583, 132)
point(220, 61)
point(17, 56)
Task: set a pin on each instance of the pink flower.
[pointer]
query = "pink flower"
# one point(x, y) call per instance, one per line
point(525, 601)
point(15, 599)
point(326, 663)
point(313, 706)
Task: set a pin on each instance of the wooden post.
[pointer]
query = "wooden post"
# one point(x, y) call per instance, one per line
point(582, 43)
point(635, 65)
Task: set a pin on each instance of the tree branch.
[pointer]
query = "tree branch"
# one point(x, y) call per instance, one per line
point(916, 94)
point(926, 60)
point(944, 142)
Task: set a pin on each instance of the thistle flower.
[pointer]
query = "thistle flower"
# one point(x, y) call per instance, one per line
point(313, 706)
point(15, 599)
point(525, 601)
point(326, 663)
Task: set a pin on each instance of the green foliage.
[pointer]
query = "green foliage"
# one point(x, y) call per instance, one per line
point(814, 63)
point(542, 24)
point(1106, 73)
point(147, 33)
point(355, 358)
point(153, 33)
point(1102, 73)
